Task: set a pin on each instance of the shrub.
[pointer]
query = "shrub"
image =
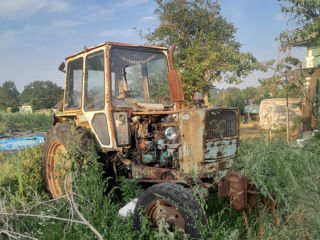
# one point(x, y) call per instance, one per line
point(22, 172)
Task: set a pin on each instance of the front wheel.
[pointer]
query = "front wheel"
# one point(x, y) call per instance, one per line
point(172, 203)
point(55, 166)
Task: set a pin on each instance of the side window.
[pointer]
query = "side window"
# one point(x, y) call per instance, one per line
point(94, 81)
point(74, 84)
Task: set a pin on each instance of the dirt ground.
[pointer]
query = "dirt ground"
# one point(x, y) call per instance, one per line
point(252, 130)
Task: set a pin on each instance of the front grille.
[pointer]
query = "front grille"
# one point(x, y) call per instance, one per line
point(221, 124)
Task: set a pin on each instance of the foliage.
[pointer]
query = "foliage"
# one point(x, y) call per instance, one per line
point(22, 172)
point(235, 97)
point(306, 18)
point(41, 94)
point(286, 79)
point(230, 97)
point(288, 180)
point(24, 122)
point(29, 171)
point(286, 176)
point(129, 189)
point(9, 96)
point(206, 48)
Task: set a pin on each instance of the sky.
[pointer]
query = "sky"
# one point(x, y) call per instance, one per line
point(36, 35)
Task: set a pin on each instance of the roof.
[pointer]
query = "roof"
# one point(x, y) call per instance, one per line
point(85, 49)
point(304, 42)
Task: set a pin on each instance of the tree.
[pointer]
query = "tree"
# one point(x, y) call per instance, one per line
point(9, 96)
point(287, 79)
point(206, 48)
point(305, 16)
point(41, 94)
point(230, 97)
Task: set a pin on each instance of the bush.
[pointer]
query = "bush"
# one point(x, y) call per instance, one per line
point(22, 172)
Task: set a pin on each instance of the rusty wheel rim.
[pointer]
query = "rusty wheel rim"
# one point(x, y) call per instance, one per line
point(171, 214)
point(57, 169)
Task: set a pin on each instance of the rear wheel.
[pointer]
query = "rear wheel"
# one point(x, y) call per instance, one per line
point(171, 203)
point(55, 165)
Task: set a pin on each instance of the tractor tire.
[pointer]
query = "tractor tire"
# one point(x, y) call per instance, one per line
point(172, 202)
point(54, 166)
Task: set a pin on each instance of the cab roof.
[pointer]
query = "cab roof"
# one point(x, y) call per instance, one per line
point(115, 44)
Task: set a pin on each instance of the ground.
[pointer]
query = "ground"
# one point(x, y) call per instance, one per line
point(252, 130)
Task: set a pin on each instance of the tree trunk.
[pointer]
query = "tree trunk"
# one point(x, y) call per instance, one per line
point(287, 103)
point(308, 104)
point(314, 119)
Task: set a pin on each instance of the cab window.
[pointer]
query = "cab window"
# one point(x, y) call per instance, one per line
point(94, 81)
point(74, 84)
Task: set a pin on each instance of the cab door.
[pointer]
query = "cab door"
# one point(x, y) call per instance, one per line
point(95, 95)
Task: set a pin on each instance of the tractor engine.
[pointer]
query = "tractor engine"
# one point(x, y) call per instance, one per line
point(155, 140)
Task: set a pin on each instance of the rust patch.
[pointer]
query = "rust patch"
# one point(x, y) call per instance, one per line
point(238, 190)
point(174, 80)
point(157, 175)
point(223, 189)
point(252, 195)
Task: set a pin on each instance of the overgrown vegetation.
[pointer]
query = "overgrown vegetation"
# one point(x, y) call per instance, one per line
point(24, 122)
point(287, 178)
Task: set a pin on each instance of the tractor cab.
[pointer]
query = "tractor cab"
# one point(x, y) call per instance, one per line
point(106, 81)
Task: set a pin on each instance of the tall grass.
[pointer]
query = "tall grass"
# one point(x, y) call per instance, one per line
point(287, 177)
point(24, 122)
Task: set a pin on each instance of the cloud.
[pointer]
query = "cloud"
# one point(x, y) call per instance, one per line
point(65, 23)
point(57, 6)
point(97, 13)
point(19, 9)
point(148, 18)
point(116, 34)
point(129, 3)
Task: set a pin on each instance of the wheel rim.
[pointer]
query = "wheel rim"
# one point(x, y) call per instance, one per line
point(158, 209)
point(57, 168)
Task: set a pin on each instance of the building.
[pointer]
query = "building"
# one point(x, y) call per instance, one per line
point(273, 112)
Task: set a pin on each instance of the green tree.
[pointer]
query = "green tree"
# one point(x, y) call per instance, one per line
point(305, 15)
point(41, 94)
point(9, 96)
point(306, 18)
point(230, 97)
point(206, 48)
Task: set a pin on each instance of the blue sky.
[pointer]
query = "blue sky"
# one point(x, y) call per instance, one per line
point(36, 35)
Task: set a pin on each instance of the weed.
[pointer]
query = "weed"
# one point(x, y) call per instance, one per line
point(129, 188)
point(287, 180)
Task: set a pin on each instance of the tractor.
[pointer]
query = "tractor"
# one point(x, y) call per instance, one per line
point(129, 98)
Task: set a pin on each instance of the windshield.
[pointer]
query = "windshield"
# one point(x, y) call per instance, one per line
point(138, 76)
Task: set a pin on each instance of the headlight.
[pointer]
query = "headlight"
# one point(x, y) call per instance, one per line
point(171, 134)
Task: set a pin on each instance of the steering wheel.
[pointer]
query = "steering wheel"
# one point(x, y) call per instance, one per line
point(128, 94)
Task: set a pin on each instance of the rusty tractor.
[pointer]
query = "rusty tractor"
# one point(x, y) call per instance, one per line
point(129, 98)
